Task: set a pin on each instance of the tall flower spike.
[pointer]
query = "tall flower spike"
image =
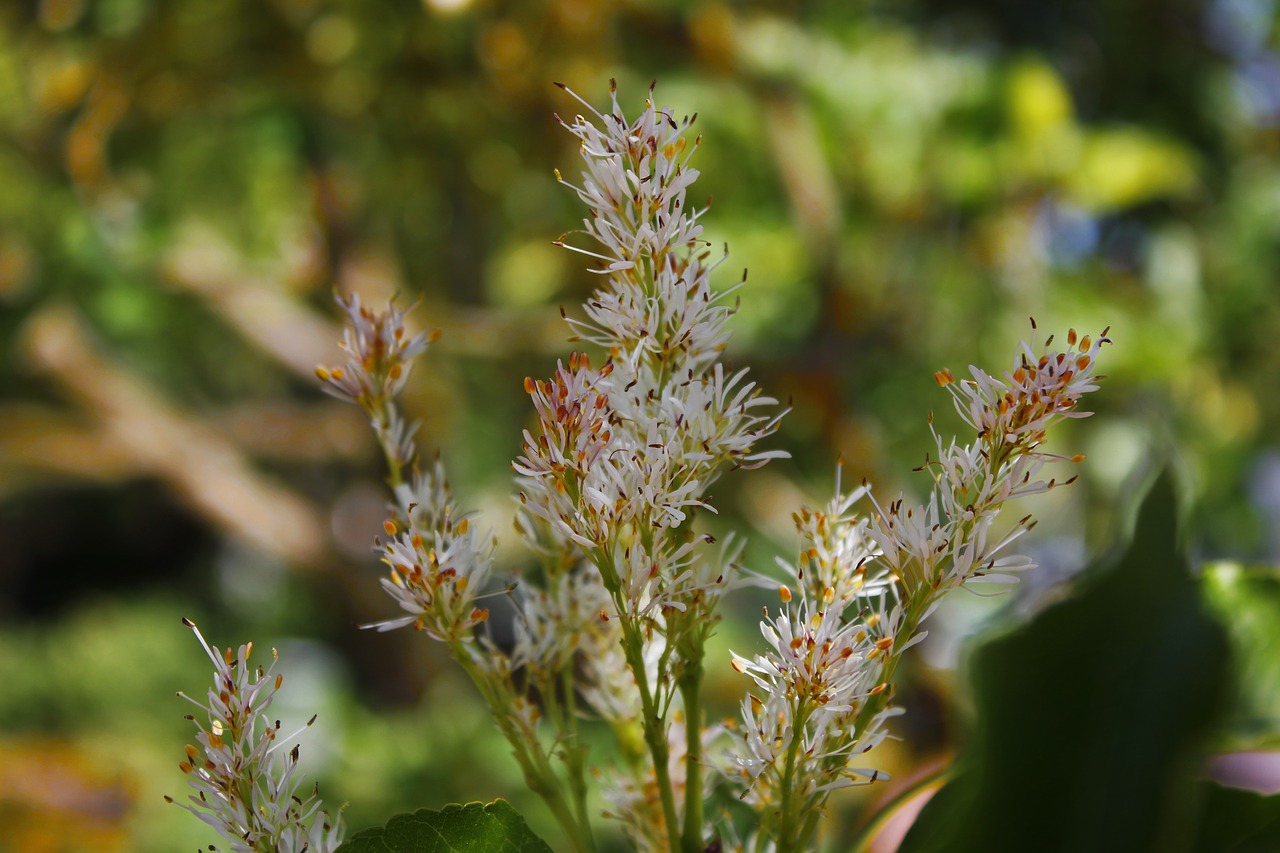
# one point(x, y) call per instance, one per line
point(640, 440)
point(826, 682)
point(949, 540)
point(623, 456)
point(246, 785)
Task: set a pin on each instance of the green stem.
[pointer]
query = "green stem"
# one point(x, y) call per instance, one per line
point(538, 774)
point(655, 735)
point(576, 756)
point(690, 692)
point(786, 827)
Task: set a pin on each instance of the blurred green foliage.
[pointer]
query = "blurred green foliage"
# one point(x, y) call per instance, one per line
point(906, 183)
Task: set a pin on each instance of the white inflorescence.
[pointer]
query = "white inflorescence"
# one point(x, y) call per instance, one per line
point(867, 584)
point(624, 453)
point(245, 777)
point(611, 476)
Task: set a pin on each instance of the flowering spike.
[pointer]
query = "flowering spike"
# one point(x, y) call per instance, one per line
point(242, 787)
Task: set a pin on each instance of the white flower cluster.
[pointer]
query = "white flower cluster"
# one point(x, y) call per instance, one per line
point(867, 584)
point(949, 541)
point(438, 562)
point(246, 785)
point(615, 622)
point(624, 453)
point(380, 354)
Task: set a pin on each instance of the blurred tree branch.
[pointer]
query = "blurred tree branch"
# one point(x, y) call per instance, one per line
point(209, 472)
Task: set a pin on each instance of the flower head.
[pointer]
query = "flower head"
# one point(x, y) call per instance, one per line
point(380, 354)
point(439, 563)
point(246, 785)
point(816, 677)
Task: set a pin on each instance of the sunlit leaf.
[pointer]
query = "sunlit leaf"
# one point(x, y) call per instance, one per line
point(474, 828)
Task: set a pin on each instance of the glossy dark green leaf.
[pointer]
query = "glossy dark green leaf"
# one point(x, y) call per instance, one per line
point(1237, 821)
point(1091, 718)
point(474, 828)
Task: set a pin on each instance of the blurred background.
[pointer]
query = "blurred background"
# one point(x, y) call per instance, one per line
point(184, 185)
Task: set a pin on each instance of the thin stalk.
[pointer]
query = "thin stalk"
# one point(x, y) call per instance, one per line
point(690, 692)
point(655, 736)
point(538, 774)
point(786, 827)
point(576, 755)
point(654, 732)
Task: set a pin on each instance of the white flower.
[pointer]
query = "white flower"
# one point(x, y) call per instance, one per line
point(837, 553)
point(246, 785)
point(645, 436)
point(438, 564)
point(380, 354)
point(815, 679)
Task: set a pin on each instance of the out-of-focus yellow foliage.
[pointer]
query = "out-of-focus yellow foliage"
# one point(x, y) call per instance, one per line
point(53, 800)
point(1122, 167)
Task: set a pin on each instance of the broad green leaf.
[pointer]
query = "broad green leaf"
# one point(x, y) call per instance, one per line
point(1236, 821)
point(474, 828)
point(1090, 719)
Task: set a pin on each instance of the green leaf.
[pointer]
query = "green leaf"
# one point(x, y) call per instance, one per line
point(474, 828)
point(1236, 821)
point(1091, 719)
